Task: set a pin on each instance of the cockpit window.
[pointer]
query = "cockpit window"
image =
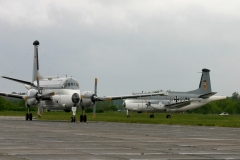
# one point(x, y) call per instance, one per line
point(71, 84)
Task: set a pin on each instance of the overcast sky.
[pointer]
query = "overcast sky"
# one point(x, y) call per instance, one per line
point(130, 46)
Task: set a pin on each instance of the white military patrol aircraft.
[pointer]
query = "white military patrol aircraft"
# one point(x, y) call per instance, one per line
point(175, 101)
point(54, 93)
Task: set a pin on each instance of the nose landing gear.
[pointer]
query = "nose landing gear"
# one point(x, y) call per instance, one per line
point(74, 109)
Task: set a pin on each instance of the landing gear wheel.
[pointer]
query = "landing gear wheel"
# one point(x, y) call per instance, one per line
point(73, 119)
point(30, 116)
point(85, 118)
point(128, 116)
point(81, 118)
point(168, 116)
point(151, 116)
point(26, 117)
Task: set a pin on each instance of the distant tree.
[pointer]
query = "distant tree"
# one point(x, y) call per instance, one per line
point(106, 106)
point(237, 108)
point(235, 96)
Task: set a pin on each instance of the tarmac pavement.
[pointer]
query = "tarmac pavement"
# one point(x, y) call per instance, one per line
point(34, 140)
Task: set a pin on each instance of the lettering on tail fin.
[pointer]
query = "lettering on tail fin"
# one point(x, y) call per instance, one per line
point(205, 85)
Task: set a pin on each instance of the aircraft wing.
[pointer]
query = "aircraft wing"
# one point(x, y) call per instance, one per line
point(178, 105)
point(130, 96)
point(12, 95)
point(18, 80)
point(183, 103)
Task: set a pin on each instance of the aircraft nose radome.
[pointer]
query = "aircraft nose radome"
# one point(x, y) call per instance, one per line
point(75, 98)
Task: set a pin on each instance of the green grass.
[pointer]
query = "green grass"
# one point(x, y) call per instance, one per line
point(160, 118)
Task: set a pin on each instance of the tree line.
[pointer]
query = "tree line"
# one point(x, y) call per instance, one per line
point(230, 105)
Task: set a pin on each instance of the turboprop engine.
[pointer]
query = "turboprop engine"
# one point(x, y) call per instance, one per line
point(88, 99)
point(35, 96)
point(32, 100)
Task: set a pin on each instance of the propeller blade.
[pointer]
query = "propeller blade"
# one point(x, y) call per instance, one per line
point(94, 110)
point(29, 97)
point(95, 92)
point(40, 110)
point(37, 78)
point(43, 95)
point(95, 88)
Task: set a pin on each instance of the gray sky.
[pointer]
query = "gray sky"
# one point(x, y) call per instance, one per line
point(130, 46)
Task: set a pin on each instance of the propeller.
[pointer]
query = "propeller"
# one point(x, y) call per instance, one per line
point(148, 104)
point(37, 94)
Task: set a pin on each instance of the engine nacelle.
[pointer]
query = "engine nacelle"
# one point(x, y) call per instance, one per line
point(87, 99)
point(32, 101)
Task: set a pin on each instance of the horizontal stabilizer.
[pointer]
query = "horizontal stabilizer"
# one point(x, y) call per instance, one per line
point(207, 95)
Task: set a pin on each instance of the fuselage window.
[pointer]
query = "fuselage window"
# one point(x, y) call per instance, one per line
point(71, 84)
point(68, 84)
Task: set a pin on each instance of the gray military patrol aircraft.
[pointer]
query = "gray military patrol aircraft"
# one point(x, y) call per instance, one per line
point(55, 93)
point(175, 101)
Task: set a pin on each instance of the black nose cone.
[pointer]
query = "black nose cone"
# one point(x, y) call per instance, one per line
point(75, 98)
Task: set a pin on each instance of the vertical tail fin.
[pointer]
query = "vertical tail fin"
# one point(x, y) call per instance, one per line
point(205, 84)
point(35, 61)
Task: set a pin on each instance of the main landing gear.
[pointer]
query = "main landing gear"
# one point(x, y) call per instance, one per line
point(128, 116)
point(28, 115)
point(168, 116)
point(83, 118)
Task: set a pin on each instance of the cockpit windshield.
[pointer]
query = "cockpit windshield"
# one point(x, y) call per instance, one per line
point(71, 84)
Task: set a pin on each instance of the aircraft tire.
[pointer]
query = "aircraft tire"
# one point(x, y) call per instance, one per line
point(128, 116)
point(30, 116)
point(72, 119)
point(26, 116)
point(81, 118)
point(151, 116)
point(168, 116)
point(85, 118)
